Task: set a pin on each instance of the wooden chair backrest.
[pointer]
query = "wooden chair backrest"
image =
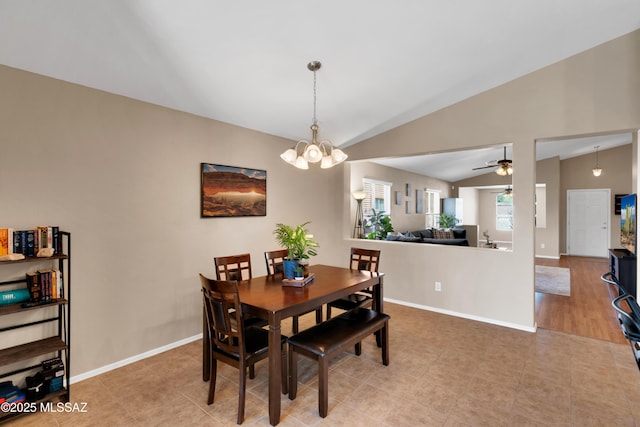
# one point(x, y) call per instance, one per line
point(364, 259)
point(275, 261)
point(224, 318)
point(234, 267)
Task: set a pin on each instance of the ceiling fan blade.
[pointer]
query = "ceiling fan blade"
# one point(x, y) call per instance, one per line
point(484, 167)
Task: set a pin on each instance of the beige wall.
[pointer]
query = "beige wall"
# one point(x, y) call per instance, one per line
point(595, 91)
point(548, 173)
point(123, 177)
point(487, 217)
point(400, 220)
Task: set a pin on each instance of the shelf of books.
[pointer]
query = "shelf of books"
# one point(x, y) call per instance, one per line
point(34, 294)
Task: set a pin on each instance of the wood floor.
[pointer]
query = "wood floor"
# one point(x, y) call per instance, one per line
point(587, 312)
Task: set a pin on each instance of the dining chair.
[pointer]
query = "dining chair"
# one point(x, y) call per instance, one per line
point(237, 267)
point(233, 267)
point(230, 341)
point(275, 267)
point(360, 259)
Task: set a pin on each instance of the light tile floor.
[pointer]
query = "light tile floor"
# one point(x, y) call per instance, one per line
point(444, 371)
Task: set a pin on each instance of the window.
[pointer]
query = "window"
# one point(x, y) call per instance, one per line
point(378, 196)
point(432, 206)
point(504, 212)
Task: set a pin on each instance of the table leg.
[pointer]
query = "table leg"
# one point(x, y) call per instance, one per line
point(377, 306)
point(275, 369)
point(379, 295)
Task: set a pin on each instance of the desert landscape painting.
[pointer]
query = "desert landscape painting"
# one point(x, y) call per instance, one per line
point(232, 191)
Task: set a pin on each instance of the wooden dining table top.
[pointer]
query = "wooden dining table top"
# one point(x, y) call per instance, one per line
point(264, 294)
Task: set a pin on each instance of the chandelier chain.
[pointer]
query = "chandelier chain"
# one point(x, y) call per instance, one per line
point(315, 120)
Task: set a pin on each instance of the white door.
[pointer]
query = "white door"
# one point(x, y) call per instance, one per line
point(588, 217)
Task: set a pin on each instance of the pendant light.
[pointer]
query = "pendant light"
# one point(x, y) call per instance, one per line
point(597, 171)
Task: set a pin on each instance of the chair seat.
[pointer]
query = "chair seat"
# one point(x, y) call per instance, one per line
point(256, 343)
point(352, 301)
point(255, 322)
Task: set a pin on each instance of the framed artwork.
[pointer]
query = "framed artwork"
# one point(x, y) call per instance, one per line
point(409, 207)
point(232, 191)
point(419, 205)
point(398, 197)
point(408, 190)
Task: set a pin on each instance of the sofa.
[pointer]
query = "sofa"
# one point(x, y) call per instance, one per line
point(453, 236)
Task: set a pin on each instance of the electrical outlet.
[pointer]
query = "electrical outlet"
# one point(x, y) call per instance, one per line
point(542, 245)
point(438, 287)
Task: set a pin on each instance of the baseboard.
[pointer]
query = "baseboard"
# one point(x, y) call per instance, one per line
point(136, 358)
point(465, 316)
point(548, 256)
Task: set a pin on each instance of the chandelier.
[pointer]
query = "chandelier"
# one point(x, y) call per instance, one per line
point(306, 152)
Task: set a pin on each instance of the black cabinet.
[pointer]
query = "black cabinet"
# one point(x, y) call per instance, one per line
point(622, 265)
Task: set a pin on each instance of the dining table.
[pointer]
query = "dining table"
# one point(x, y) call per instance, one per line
point(267, 298)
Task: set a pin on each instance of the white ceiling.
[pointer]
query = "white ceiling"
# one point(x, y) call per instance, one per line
point(456, 165)
point(244, 62)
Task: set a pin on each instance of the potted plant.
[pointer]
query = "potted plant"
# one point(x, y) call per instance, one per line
point(299, 244)
point(381, 225)
point(447, 221)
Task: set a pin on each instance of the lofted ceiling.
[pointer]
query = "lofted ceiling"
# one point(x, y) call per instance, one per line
point(453, 166)
point(244, 62)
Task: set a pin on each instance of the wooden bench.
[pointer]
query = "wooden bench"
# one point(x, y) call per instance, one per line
point(327, 340)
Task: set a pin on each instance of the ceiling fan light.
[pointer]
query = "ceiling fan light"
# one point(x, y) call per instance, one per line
point(501, 171)
point(510, 170)
point(597, 171)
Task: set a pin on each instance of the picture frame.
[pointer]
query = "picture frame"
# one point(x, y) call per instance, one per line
point(409, 207)
point(408, 190)
point(419, 202)
point(230, 191)
point(398, 197)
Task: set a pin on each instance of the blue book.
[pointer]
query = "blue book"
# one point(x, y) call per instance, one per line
point(17, 243)
point(31, 243)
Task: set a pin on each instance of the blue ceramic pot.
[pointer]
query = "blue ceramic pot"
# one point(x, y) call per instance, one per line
point(290, 268)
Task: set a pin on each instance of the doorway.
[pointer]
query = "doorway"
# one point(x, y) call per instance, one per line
point(588, 222)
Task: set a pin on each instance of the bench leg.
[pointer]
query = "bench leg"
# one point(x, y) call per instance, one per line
point(323, 386)
point(285, 370)
point(358, 348)
point(293, 373)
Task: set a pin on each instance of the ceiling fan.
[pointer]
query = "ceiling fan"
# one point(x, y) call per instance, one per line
point(505, 166)
point(508, 192)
